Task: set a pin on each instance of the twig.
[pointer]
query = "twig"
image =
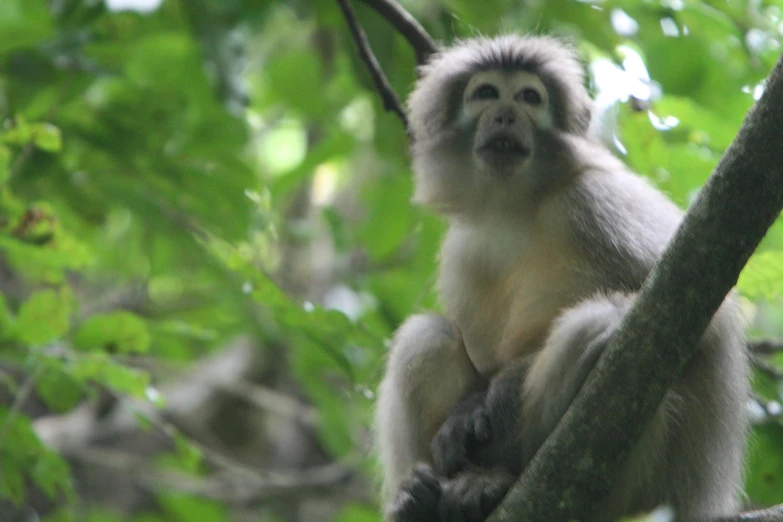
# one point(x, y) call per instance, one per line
point(773, 514)
point(765, 347)
point(21, 396)
point(390, 100)
point(766, 368)
point(422, 43)
point(771, 409)
point(256, 487)
point(270, 400)
point(235, 485)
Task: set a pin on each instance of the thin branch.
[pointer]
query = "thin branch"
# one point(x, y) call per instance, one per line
point(234, 485)
point(21, 397)
point(270, 400)
point(765, 347)
point(773, 514)
point(766, 368)
point(390, 100)
point(422, 43)
point(771, 410)
point(254, 488)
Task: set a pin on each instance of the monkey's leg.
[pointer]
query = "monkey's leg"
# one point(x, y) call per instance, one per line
point(483, 430)
point(522, 406)
point(687, 455)
point(479, 447)
point(427, 372)
point(577, 339)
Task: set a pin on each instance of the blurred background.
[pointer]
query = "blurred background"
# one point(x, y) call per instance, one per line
point(206, 239)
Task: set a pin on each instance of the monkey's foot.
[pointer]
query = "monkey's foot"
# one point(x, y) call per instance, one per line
point(471, 496)
point(418, 497)
point(461, 436)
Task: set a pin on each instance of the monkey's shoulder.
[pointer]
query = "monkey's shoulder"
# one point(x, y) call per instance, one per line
point(619, 224)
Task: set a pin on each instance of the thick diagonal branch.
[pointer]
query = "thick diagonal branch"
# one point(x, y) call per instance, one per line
point(659, 335)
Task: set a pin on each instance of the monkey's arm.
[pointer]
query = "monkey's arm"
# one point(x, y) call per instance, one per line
point(575, 343)
point(499, 428)
point(491, 436)
point(483, 429)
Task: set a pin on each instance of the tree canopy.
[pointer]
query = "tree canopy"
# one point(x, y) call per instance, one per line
point(206, 239)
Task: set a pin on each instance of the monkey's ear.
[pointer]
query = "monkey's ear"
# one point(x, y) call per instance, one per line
point(571, 107)
point(581, 115)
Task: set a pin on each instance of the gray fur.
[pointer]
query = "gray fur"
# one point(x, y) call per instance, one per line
point(540, 264)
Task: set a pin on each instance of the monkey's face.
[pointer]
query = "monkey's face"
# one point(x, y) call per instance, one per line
point(505, 109)
point(488, 117)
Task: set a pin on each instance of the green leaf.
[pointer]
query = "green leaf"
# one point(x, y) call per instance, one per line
point(99, 367)
point(46, 263)
point(23, 23)
point(6, 319)
point(47, 137)
point(391, 215)
point(24, 456)
point(12, 483)
point(698, 119)
point(5, 164)
point(297, 68)
point(52, 474)
point(121, 332)
point(359, 513)
point(764, 471)
point(57, 388)
point(183, 508)
point(189, 454)
point(44, 317)
point(762, 277)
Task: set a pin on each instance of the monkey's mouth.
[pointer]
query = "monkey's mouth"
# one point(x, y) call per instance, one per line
point(504, 144)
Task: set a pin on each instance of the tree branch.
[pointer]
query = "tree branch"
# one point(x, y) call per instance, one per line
point(766, 368)
point(765, 346)
point(233, 485)
point(390, 100)
point(422, 43)
point(659, 334)
point(773, 514)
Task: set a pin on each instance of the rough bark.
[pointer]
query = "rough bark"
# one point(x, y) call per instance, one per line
point(721, 230)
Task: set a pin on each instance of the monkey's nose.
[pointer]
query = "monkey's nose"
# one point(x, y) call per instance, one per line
point(505, 117)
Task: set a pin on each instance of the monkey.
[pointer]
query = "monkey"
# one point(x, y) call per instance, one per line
point(549, 239)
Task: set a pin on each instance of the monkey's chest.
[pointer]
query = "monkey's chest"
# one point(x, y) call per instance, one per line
point(507, 314)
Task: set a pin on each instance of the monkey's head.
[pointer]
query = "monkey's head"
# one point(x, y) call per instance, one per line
point(486, 116)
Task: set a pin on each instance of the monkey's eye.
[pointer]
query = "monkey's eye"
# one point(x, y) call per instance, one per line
point(530, 95)
point(485, 92)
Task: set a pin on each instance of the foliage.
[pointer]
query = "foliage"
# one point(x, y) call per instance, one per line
point(174, 178)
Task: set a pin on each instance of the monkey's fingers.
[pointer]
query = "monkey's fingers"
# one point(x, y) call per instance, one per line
point(424, 477)
point(465, 430)
point(494, 491)
point(481, 430)
point(418, 497)
point(471, 496)
point(450, 458)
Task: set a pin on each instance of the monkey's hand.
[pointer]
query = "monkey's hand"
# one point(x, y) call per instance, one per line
point(471, 496)
point(418, 498)
point(465, 431)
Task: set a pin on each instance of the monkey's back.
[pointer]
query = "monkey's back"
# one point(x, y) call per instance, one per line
point(704, 421)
